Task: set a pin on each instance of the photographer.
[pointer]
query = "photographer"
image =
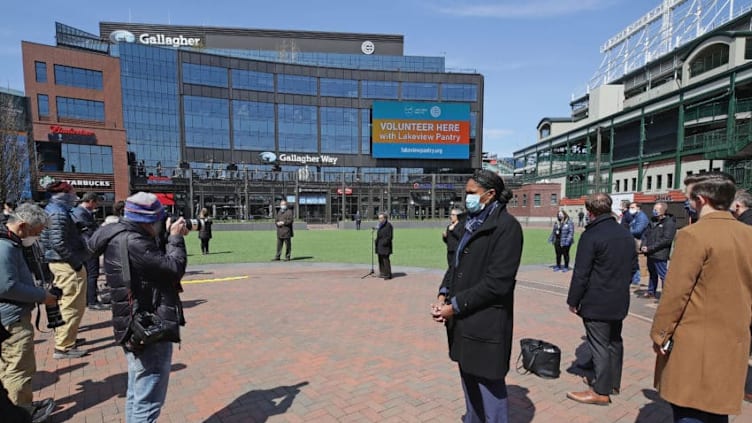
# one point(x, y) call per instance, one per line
point(149, 285)
point(18, 295)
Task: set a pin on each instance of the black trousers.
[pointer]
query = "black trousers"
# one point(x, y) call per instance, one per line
point(205, 245)
point(385, 266)
point(92, 275)
point(561, 252)
point(604, 340)
point(288, 247)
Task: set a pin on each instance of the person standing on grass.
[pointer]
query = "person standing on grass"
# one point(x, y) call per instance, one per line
point(284, 222)
point(562, 237)
point(453, 233)
point(205, 233)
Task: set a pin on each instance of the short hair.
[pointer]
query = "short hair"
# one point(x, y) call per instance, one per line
point(90, 196)
point(638, 205)
point(457, 209)
point(10, 204)
point(718, 188)
point(385, 214)
point(491, 180)
point(29, 213)
point(664, 206)
point(599, 204)
point(743, 197)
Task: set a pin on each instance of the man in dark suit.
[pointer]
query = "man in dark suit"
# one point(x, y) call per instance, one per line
point(384, 245)
point(83, 215)
point(599, 293)
point(284, 230)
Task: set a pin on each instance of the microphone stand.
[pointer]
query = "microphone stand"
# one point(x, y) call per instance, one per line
point(373, 240)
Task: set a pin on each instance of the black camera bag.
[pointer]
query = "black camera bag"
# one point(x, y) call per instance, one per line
point(539, 357)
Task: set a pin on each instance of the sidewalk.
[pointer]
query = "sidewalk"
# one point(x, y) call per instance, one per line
point(302, 342)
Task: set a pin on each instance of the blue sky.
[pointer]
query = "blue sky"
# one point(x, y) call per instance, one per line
point(534, 54)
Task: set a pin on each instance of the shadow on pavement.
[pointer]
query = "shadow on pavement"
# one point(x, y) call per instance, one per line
point(43, 378)
point(656, 411)
point(111, 386)
point(583, 362)
point(193, 303)
point(101, 325)
point(197, 272)
point(522, 410)
point(258, 405)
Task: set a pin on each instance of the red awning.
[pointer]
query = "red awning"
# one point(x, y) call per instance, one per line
point(165, 199)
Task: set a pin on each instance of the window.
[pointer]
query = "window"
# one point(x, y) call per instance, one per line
point(214, 76)
point(659, 182)
point(748, 48)
point(634, 184)
point(40, 68)
point(689, 173)
point(420, 91)
point(554, 200)
point(650, 183)
point(339, 130)
point(711, 57)
point(365, 131)
point(76, 108)
point(459, 92)
point(297, 128)
point(379, 89)
point(80, 158)
point(338, 87)
point(252, 80)
point(43, 105)
point(626, 185)
point(78, 77)
point(253, 125)
point(207, 122)
point(617, 186)
point(670, 180)
point(514, 201)
point(296, 84)
point(536, 200)
point(524, 200)
point(545, 131)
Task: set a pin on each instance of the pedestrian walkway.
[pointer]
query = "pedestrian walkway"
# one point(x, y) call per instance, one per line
point(302, 342)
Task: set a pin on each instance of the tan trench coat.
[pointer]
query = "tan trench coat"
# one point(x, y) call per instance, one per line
point(711, 275)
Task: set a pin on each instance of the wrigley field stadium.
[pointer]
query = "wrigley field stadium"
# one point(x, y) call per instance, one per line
point(672, 97)
point(236, 120)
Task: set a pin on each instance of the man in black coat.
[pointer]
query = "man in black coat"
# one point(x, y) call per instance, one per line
point(285, 233)
point(741, 208)
point(599, 293)
point(384, 236)
point(87, 224)
point(154, 287)
point(476, 297)
point(656, 245)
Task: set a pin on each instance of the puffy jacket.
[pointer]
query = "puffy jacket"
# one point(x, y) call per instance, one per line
point(638, 224)
point(566, 233)
point(61, 239)
point(155, 275)
point(659, 236)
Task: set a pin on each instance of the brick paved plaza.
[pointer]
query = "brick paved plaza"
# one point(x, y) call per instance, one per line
point(302, 342)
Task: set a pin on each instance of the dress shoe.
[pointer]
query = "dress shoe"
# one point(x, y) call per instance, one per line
point(748, 397)
point(587, 381)
point(589, 397)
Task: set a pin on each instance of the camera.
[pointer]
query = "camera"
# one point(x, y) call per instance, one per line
point(54, 318)
point(194, 224)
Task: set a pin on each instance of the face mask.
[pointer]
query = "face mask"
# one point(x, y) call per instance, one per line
point(29, 241)
point(473, 204)
point(561, 216)
point(655, 213)
point(632, 211)
point(282, 208)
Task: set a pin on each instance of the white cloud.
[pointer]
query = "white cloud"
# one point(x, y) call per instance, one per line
point(507, 9)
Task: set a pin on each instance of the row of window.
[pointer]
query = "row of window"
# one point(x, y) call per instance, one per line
point(75, 158)
point(70, 76)
point(216, 76)
point(536, 200)
point(71, 108)
point(623, 184)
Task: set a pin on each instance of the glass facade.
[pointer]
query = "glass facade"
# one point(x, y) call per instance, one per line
point(297, 128)
point(78, 77)
point(420, 91)
point(380, 89)
point(339, 130)
point(459, 92)
point(87, 158)
point(40, 70)
point(339, 87)
point(150, 103)
point(253, 125)
point(43, 105)
point(296, 84)
point(252, 80)
point(76, 108)
point(207, 122)
point(365, 131)
point(204, 75)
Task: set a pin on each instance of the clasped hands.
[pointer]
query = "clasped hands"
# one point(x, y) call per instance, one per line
point(440, 311)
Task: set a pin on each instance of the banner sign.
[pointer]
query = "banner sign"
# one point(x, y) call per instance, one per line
point(420, 130)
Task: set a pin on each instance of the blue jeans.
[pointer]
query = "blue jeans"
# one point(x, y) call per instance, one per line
point(486, 400)
point(691, 415)
point(657, 269)
point(148, 376)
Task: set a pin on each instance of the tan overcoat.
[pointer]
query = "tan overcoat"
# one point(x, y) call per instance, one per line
point(710, 275)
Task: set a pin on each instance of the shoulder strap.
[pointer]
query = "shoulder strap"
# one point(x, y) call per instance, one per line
point(125, 261)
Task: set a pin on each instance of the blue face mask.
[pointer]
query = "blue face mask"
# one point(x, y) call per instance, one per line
point(655, 213)
point(473, 204)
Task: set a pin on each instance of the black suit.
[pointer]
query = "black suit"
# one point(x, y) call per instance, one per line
point(384, 249)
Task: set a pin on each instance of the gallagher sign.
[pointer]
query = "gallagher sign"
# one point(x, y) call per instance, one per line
point(177, 40)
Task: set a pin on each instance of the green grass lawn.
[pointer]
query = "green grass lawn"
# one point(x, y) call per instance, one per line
point(412, 247)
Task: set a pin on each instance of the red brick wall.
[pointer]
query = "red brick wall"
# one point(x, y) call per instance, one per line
point(546, 209)
point(111, 132)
